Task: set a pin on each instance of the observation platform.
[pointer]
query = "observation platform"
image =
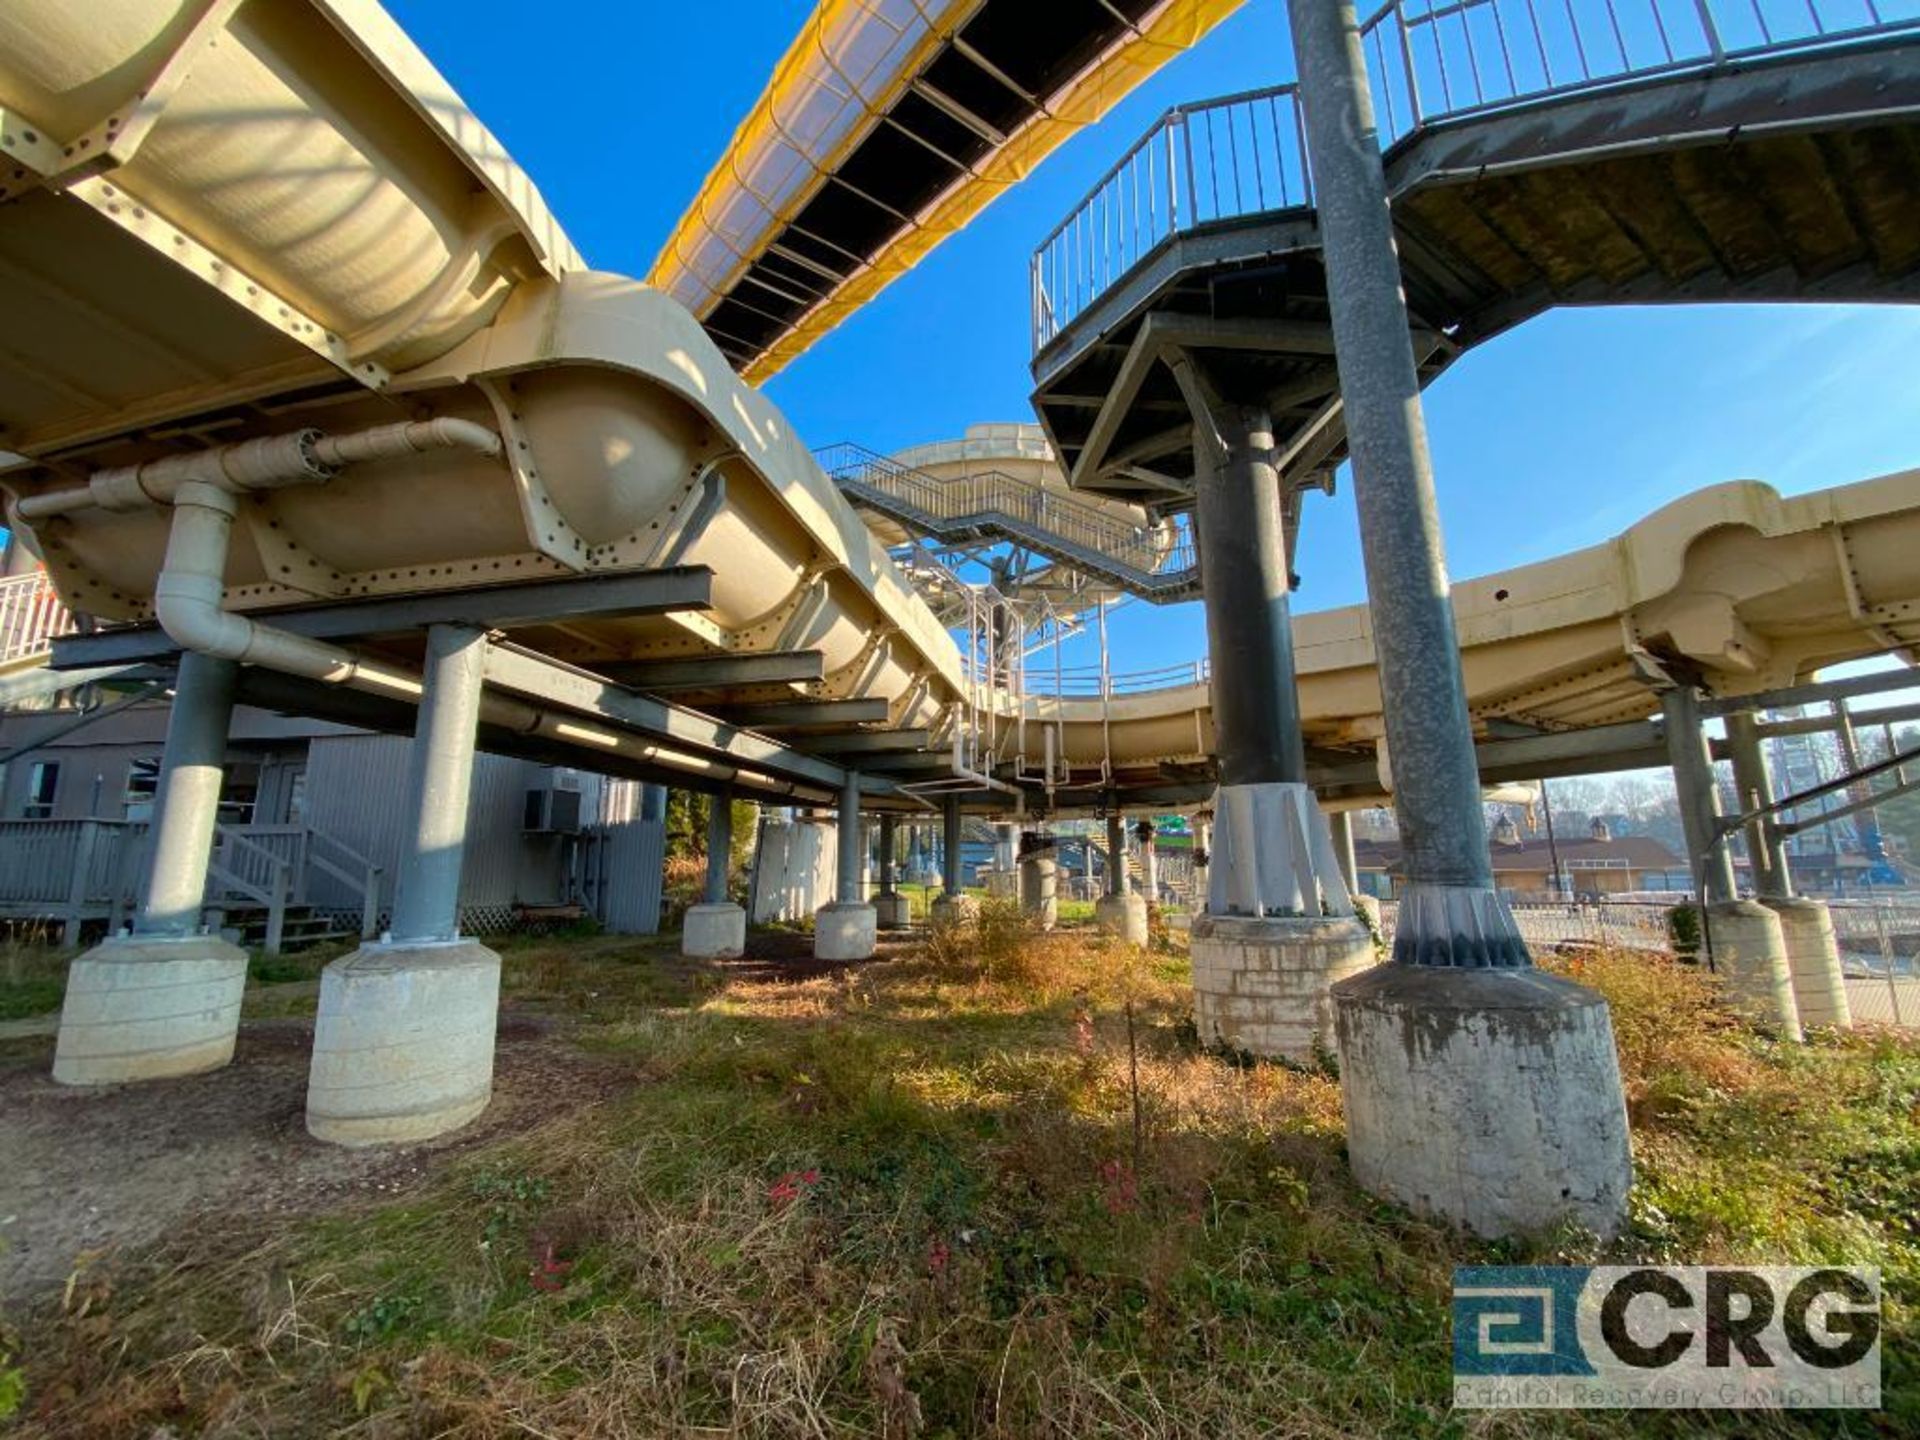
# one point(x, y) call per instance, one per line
point(1536, 156)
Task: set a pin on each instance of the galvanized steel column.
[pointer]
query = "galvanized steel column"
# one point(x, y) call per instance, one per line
point(1429, 734)
point(187, 803)
point(950, 847)
point(1766, 849)
point(1707, 858)
point(426, 902)
point(1243, 573)
point(719, 847)
point(1340, 824)
point(851, 849)
point(1118, 882)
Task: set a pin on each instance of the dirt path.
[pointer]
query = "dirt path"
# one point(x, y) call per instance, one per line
point(82, 1170)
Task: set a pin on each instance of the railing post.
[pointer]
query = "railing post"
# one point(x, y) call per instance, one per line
point(1173, 180)
point(277, 906)
point(370, 904)
point(1886, 958)
point(85, 841)
point(1712, 31)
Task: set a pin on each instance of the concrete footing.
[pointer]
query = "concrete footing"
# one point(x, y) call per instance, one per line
point(1813, 962)
point(1040, 891)
point(1003, 884)
point(844, 930)
point(1750, 953)
point(713, 932)
point(953, 910)
point(1264, 985)
point(403, 1042)
point(1487, 1098)
point(1122, 915)
point(892, 910)
point(147, 1007)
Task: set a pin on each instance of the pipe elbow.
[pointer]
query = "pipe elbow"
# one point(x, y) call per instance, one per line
point(188, 609)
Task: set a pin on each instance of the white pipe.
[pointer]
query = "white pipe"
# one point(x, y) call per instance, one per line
point(304, 457)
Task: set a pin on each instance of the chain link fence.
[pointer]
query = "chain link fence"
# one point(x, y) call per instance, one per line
point(1879, 942)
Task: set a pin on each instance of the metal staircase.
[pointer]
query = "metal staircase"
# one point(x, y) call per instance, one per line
point(1154, 562)
point(1537, 153)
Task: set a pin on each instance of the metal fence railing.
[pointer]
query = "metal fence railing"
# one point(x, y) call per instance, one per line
point(1879, 943)
point(1244, 155)
point(1151, 549)
point(31, 616)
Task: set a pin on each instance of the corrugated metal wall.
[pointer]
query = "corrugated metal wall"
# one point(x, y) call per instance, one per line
point(795, 866)
point(357, 793)
point(622, 868)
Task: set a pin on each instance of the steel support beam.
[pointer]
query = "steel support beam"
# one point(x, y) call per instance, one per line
point(950, 846)
point(426, 898)
point(719, 845)
point(1118, 881)
point(805, 714)
point(1766, 849)
point(870, 742)
point(714, 672)
point(187, 803)
point(1241, 543)
point(851, 837)
point(1693, 782)
point(1819, 693)
point(564, 687)
point(1423, 694)
point(494, 607)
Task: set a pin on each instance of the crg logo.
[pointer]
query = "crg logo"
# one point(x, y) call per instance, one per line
point(1683, 1336)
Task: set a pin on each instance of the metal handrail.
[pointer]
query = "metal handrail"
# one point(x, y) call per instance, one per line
point(1091, 682)
point(1161, 550)
point(31, 616)
point(1244, 155)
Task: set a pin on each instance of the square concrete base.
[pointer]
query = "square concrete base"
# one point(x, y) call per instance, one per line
point(1487, 1098)
point(844, 931)
point(1122, 915)
point(148, 1007)
point(959, 909)
point(1264, 986)
point(403, 1042)
point(713, 932)
point(893, 911)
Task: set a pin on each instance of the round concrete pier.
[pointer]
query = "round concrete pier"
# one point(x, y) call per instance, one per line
point(1813, 962)
point(1263, 985)
point(892, 910)
point(148, 1007)
point(1040, 890)
point(403, 1042)
point(1750, 953)
point(844, 930)
point(1487, 1098)
point(713, 932)
point(1122, 915)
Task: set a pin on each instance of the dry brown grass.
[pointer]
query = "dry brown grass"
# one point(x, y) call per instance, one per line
point(910, 1201)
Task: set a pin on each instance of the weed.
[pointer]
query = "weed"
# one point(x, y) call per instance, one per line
point(992, 1188)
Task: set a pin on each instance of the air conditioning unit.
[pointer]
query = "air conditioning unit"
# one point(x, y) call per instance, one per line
point(551, 811)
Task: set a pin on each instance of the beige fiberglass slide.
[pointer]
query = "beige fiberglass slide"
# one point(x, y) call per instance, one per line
point(244, 222)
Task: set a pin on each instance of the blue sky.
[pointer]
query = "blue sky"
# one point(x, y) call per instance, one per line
point(1556, 435)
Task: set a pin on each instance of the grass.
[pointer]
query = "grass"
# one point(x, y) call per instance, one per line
point(33, 979)
point(914, 1200)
